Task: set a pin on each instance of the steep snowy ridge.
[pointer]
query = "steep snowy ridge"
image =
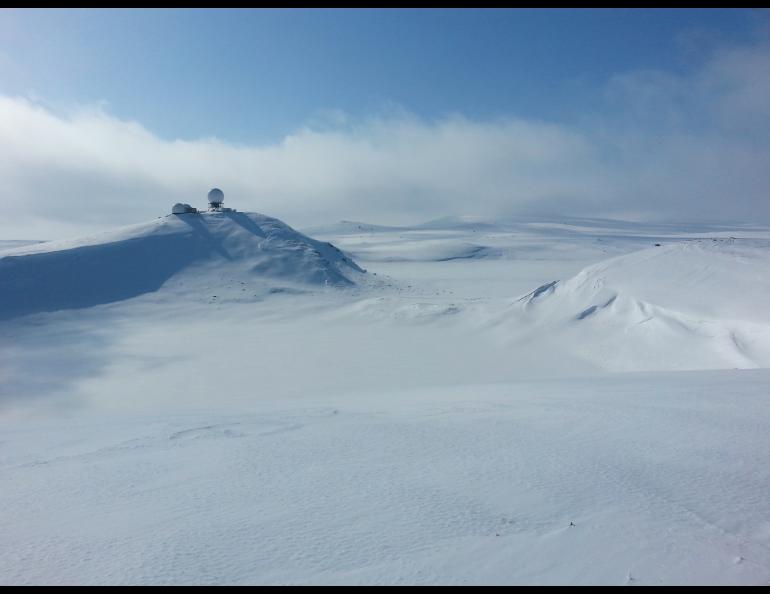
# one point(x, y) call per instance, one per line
point(138, 259)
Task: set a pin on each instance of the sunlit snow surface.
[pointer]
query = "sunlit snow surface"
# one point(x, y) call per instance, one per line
point(227, 401)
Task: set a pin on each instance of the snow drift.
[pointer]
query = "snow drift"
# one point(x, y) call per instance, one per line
point(138, 259)
point(690, 305)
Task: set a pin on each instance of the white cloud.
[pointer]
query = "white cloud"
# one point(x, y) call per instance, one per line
point(656, 145)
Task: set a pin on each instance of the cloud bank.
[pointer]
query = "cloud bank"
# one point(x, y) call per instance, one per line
point(655, 145)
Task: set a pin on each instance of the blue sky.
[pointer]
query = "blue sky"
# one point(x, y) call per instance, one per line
point(254, 75)
point(392, 116)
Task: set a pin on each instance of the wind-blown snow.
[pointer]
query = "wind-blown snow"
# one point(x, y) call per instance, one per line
point(454, 416)
point(687, 305)
point(663, 476)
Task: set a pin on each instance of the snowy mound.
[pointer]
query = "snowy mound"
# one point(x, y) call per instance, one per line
point(464, 222)
point(425, 250)
point(349, 227)
point(690, 305)
point(138, 259)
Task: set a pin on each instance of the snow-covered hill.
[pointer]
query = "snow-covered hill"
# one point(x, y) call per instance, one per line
point(243, 248)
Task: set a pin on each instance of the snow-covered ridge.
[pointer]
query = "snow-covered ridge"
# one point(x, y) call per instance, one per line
point(137, 259)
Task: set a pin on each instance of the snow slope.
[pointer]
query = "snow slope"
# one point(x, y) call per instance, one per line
point(8, 244)
point(140, 258)
point(625, 479)
point(696, 304)
point(515, 415)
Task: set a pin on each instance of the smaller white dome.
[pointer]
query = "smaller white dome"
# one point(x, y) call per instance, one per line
point(216, 196)
point(180, 208)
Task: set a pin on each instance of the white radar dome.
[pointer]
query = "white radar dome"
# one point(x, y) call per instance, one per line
point(216, 196)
